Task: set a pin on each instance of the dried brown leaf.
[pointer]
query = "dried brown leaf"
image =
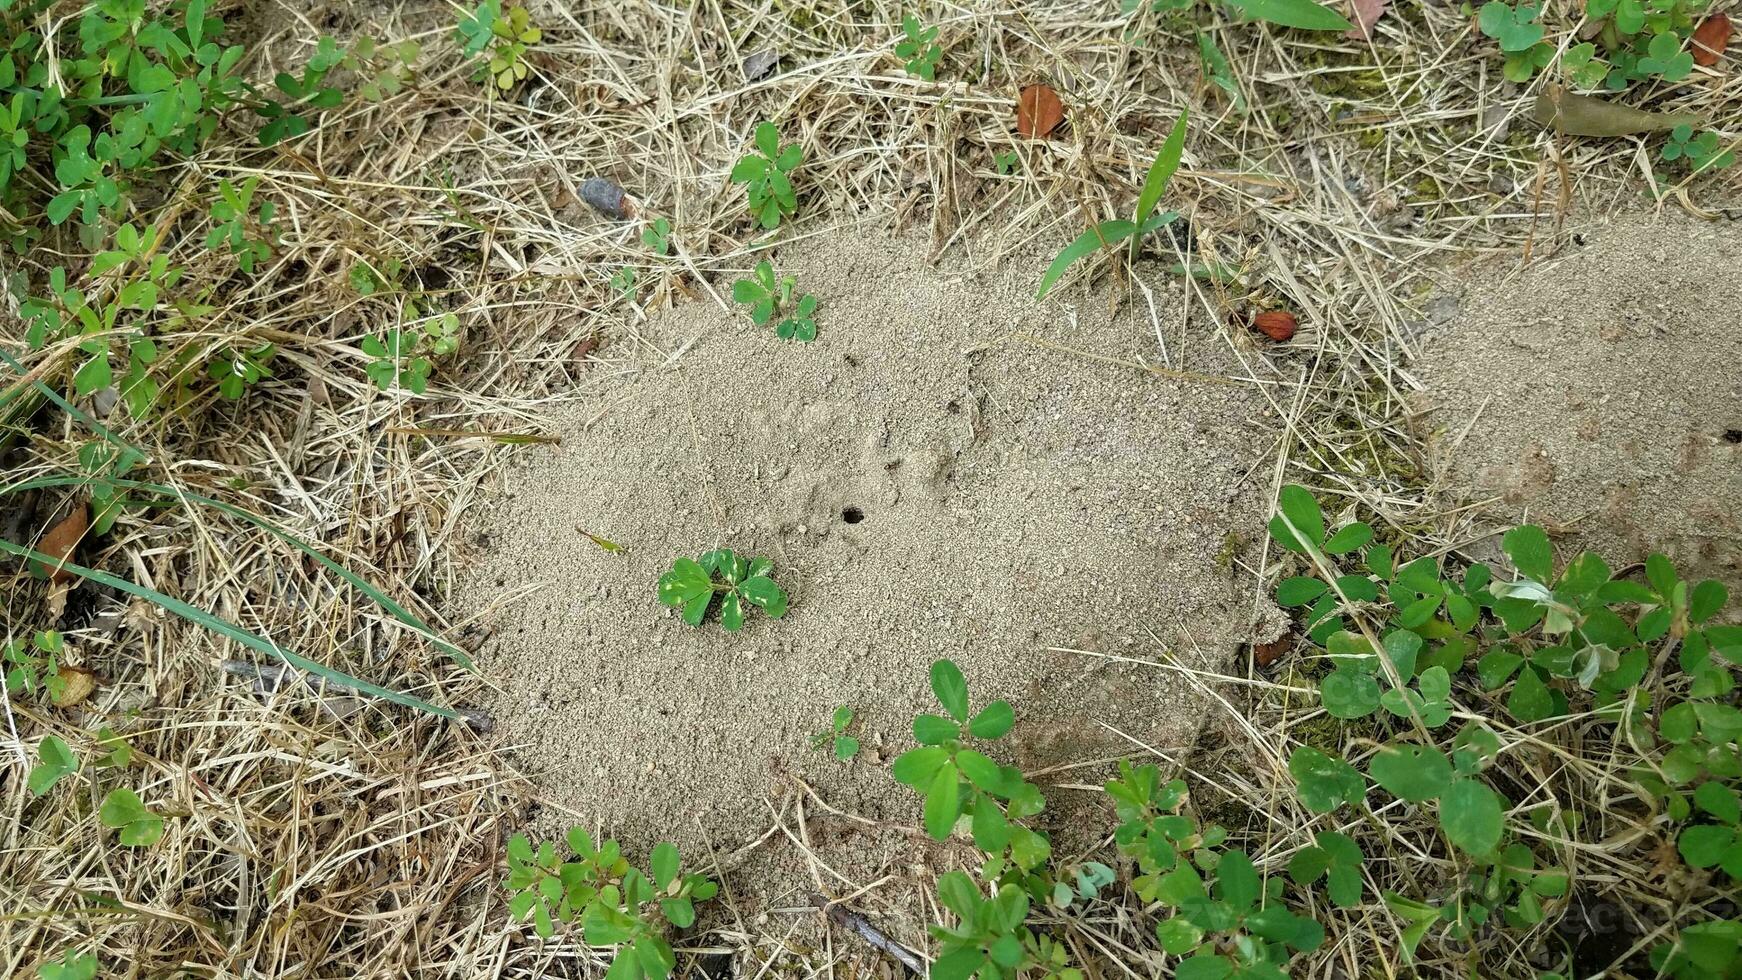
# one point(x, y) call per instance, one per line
point(1038, 111)
point(1710, 39)
point(59, 543)
point(1367, 13)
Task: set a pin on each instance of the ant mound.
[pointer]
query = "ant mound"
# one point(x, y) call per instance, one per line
point(1600, 395)
point(949, 470)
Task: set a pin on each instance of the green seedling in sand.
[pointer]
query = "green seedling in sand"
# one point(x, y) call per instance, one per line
point(843, 745)
point(616, 904)
point(766, 174)
point(918, 51)
point(991, 938)
point(693, 585)
point(624, 280)
point(1143, 220)
point(766, 297)
point(1006, 162)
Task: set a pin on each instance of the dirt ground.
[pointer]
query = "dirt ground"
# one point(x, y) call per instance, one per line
point(1600, 394)
point(948, 470)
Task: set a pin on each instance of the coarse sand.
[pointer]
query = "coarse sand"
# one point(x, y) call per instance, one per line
point(1600, 394)
point(949, 470)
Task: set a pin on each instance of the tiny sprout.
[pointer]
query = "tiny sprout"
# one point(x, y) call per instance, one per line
point(657, 236)
point(765, 296)
point(844, 746)
point(918, 51)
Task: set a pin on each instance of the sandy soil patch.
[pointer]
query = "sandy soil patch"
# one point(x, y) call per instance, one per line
point(1600, 394)
point(949, 470)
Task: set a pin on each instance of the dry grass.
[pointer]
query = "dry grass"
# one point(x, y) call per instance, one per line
point(301, 844)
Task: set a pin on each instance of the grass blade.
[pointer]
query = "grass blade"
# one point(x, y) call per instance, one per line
point(1304, 14)
point(1161, 171)
point(253, 641)
point(1104, 234)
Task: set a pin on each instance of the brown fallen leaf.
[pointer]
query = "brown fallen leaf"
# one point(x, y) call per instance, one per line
point(1269, 653)
point(1585, 115)
point(1278, 325)
point(76, 684)
point(59, 543)
point(1038, 111)
point(1710, 39)
point(1367, 13)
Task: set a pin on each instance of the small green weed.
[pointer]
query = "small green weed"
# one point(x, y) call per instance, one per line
point(230, 216)
point(72, 966)
point(766, 175)
point(1143, 220)
point(616, 904)
point(1701, 153)
point(657, 236)
point(835, 738)
point(693, 585)
point(1520, 35)
point(918, 50)
point(766, 297)
point(624, 280)
point(34, 666)
point(55, 760)
point(394, 360)
point(123, 811)
point(1006, 162)
point(506, 34)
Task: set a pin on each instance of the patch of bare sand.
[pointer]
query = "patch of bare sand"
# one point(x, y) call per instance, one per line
point(929, 486)
point(1600, 394)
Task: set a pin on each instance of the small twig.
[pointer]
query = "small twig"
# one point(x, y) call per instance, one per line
point(854, 922)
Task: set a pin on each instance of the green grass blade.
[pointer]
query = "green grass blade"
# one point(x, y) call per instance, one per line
point(253, 641)
point(1161, 171)
point(1304, 14)
point(68, 408)
point(386, 602)
point(1104, 234)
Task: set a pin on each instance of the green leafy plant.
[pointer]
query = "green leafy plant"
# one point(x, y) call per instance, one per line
point(394, 360)
point(958, 781)
point(1520, 36)
point(692, 585)
point(103, 466)
point(506, 34)
point(1143, 220)
point(235, 370)
point(123, 811)
point(35, 665)
point(230, 216)
point(766, 175)
point(991, 938)
point(918, 50)
point(624, 280)
point(657, 236)
point(54, 761)
point(1583, 67)
point(72, 966)
point(835, 738)
point(1701, 153)
point(1006, 162)
point(1539, 644)
point(766, 297)
point(617, 905)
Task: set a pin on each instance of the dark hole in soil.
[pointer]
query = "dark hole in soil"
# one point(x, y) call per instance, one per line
point(852, 515)
point(1733, 436)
